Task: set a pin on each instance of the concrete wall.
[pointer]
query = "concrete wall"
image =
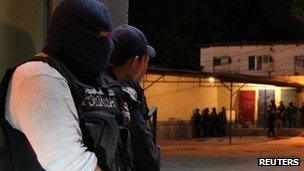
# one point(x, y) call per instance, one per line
point(174, 130)
point(22, 30)
point(183, 130)
point(283, 58)
point(177, 100)
point(23, 26)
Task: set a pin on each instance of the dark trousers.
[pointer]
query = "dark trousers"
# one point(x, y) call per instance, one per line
point(271, 131)
point(197, 132)
point(206, 130)
point(292, 123)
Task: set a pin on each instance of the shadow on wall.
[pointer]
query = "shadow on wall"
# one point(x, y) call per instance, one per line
point(15, 46)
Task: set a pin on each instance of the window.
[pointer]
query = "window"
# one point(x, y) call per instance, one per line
point(299, 61)
point(260, 60)
point(251, 63)
point(256, 62)
point(221, 60)
point(216, 61)
point(226, 60)
point(267, 58)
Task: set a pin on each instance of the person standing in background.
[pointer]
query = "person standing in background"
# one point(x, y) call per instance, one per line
point(291, 115)
point(302, 115)
point(282, 113)
point(214, 120)
point(197, 120)
point(206, 122)
point(271, 117)
point(222, 122)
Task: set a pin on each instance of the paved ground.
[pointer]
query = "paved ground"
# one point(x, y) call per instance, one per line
point(215, 154)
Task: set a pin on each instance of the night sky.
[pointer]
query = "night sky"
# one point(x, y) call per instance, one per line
point(177, 28)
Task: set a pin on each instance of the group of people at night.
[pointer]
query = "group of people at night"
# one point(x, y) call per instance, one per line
point(211, 124)
point(282, 116)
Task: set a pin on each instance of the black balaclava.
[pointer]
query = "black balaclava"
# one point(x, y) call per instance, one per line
point(74, 38)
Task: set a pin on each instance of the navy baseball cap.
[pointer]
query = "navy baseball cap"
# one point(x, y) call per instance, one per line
point(130, 41)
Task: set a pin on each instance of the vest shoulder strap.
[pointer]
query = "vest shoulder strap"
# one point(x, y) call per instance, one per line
point(6, 80)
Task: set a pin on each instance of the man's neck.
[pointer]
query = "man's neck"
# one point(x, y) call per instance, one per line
point(120, 72)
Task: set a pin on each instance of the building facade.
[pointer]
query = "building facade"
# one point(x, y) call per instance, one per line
point(279, 59)
point(264, 59)
point(177, 96)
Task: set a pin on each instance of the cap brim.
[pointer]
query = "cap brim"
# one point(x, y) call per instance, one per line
point(151, 52)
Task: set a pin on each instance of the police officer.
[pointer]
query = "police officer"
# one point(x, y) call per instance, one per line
point(222, 122)
point(128, 64)
point(282, 113)
point(197, 121)
point(291, 115)
point(271, 117)
point(206, 122)
point(56, 109)
point(302, 115)
point(214, 121)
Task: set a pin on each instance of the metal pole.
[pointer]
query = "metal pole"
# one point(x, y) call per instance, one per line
point(265, 108)
point(230, 127)
point(155, 126)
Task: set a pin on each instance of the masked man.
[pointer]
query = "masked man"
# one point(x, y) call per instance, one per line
point(58, 114)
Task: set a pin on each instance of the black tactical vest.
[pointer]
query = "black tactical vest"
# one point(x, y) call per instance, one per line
point(145, 152)
point(102, 113)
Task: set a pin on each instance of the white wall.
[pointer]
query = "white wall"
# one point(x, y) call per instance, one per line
point(283, 57)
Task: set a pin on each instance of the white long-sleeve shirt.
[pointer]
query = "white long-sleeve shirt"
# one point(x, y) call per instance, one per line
point(39, 104)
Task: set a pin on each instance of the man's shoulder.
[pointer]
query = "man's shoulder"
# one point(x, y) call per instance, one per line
point(36, 68)
point(127, 82)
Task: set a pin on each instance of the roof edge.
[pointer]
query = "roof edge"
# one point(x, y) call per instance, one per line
point(252, 43)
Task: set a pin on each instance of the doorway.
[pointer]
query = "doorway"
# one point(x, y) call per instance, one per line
point(265, 96)
point(246, 107)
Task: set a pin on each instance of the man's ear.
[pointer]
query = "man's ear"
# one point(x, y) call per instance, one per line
point(133, 61)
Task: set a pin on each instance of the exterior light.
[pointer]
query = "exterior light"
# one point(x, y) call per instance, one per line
point(211, 79)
